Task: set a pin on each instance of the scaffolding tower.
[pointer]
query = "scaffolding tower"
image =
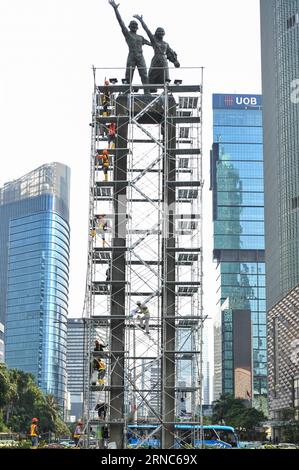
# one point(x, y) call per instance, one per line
point(145, 245)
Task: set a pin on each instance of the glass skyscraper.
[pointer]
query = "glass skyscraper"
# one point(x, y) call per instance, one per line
point(280, 73)
point(34, 274)
point(75, 365)
point(238, 216)
point(280, 77)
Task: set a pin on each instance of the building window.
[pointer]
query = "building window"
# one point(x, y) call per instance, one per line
point(295, 202)
point(292, 21)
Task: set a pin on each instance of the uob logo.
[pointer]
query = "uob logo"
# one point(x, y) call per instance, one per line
point(246, 100)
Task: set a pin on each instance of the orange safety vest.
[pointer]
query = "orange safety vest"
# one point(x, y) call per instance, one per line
point(33, 431)
point(105, 160)
point(77, 432)
point(102, 366)
point(112, 128)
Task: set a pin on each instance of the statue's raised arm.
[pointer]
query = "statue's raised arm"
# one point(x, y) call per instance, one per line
point(146, 29)
point(159, 72)
point(135, 43)
point(119, 18)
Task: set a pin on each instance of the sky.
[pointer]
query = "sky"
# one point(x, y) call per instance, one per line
point(47, 49)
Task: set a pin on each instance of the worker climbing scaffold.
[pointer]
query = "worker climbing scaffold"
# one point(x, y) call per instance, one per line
point(99, 367)
point(106, 98)
point(100, 227)
point(105, 162)
point(143, 314)
point(111, 135)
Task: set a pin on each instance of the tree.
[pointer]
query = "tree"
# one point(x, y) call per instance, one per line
point(235, 412)
point(21, 400)
point(8, 392)
point(290, 429)
point(23, 404)
point(52, 406)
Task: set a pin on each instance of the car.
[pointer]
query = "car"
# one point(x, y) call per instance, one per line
point(67, 443)
point(287, 445)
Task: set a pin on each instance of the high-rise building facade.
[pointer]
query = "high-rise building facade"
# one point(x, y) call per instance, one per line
point(280, 77)
point(75, 365)
point(238, 216)
point(206, 367)
point(280, 74)
point(34, 274)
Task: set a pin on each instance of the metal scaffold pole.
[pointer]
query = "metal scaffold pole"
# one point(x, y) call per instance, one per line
point(143, 302)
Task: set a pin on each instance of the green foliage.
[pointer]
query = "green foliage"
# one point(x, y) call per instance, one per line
point(290, 433)
point(234, 412)
point(3, 427)
point(21, 400)
point(207, 420)
point(287, 414)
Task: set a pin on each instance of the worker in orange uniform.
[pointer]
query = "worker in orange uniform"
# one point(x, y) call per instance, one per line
point(99, 366)
point(111, 135)
point(105, 162)
point(34, 433)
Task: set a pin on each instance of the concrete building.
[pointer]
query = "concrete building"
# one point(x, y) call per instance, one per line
point(206, 367)
point(34, 274)
point(283, 351)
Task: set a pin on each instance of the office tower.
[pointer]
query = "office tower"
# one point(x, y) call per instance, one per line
point(280, 76)
point(34, 274)
point(75, 365)
point(206, 368)
point(206, 383)
point(238, 216)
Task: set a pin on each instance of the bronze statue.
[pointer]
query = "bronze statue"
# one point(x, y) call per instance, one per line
point(135, 43)
point(159, 72)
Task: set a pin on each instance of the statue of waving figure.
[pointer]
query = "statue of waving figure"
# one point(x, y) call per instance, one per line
point(159, 71)
point(135, 43)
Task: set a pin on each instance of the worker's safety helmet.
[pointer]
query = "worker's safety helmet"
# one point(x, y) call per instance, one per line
point(79, 421)
point(160, 31)
point(34, 420)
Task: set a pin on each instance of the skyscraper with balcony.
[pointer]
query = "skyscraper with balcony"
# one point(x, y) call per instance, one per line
point(34, 274)
point(280, 77)
point(238, 216)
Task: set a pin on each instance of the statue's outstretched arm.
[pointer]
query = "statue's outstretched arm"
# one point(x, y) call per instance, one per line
point(172, 57)
point(146, 29)
point(119, 18)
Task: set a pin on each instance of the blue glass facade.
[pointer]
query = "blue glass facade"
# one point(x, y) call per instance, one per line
point(35, 276)
point(238, 216)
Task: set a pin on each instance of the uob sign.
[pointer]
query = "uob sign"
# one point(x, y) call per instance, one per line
point(246, 101)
